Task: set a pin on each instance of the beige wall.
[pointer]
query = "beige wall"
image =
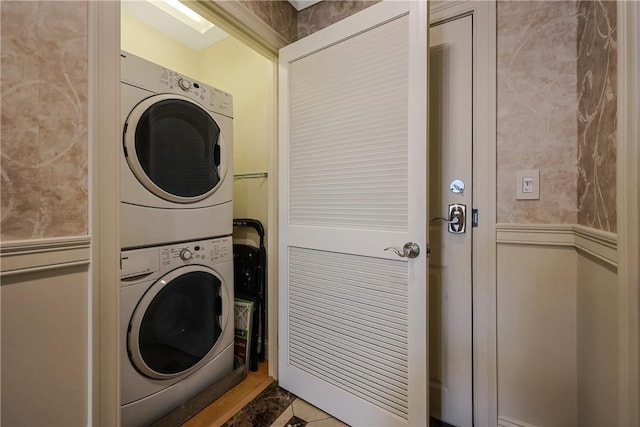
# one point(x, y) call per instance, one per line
point(597, 343)
point(247, 75)
point(45, 342)
point(146, 42)
point(44, 119)
point(536, 118)
point(537, 343)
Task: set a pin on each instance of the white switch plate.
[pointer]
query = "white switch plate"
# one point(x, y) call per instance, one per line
point(528, 184)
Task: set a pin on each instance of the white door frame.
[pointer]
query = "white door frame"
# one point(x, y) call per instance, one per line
point(104, 203)
point(104, 27)
point(485, 384)
point(628, 207)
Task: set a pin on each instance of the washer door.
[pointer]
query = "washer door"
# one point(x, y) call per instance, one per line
point(178, 322)
point(175, 148)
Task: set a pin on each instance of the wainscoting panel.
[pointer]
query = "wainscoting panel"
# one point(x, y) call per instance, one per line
point(557, 325)
point(45, 332)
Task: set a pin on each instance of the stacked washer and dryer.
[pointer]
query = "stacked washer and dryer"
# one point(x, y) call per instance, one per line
point(176, 220)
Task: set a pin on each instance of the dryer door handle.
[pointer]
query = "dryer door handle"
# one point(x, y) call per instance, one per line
point(136, 277)
point(216, 154)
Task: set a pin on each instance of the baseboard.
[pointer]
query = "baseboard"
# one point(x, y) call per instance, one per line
point(597, 243)
point(25, 256)
point(510, 422)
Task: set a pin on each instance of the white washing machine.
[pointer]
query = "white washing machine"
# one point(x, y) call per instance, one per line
point(176, 325)
point(176, 179)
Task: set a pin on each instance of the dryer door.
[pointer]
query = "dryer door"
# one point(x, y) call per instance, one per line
point(178, 322)
point(175, 148)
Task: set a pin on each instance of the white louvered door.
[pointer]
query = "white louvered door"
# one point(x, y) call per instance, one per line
point(352, 165)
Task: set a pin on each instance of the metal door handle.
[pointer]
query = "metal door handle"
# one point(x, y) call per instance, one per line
point(454, 220)
point(409, 250)
point(457, 217)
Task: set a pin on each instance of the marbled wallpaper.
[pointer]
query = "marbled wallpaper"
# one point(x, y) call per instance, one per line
point(597, 89)
point(325, 13)
point(43, 95)
point(537, 103)
point(279, 15)
point(293, 25)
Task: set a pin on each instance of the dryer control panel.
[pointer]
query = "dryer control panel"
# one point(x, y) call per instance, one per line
point(155, 78)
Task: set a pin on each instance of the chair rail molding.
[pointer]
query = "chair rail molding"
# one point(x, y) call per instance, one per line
point(25, 256)
point(597, 243)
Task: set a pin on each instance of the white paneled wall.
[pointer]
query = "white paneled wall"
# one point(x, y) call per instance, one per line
point(537, 373)
point(45, 336)
point(557, 326)
point(597, 342)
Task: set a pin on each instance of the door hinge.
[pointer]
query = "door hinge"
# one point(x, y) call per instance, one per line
point(474, 218)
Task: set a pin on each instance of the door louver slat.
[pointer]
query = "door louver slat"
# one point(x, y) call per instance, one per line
point(342, 332)
point(338, 148)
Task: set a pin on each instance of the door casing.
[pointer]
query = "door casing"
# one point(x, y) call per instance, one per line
point(104, 45)
point(485, 392)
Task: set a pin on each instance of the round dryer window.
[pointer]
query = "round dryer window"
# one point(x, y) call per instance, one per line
point(175, 327)
point(175, 148)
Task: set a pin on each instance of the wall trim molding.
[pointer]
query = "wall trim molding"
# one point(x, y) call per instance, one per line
point(23, 256)
point(243, 24)
point(597, 243)
point(535, 234)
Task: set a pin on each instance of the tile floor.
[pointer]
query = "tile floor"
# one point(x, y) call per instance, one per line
point(277, 407)
point(300, 414)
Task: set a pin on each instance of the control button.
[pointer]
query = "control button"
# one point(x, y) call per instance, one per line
point(186, 254)
point(184, 84)
point(197, 248)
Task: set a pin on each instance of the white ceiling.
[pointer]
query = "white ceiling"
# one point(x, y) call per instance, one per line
point(172, 27)
point(302, 4)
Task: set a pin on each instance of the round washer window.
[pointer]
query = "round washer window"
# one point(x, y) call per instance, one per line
point(174, 330)
point(174, 148)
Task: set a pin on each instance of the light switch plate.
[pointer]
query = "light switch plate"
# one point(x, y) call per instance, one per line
point(528, 184)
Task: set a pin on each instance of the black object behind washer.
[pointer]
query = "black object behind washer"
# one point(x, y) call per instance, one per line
point(249, 269)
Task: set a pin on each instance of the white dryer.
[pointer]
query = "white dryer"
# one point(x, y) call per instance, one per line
point(176, 325)
point(176, 179)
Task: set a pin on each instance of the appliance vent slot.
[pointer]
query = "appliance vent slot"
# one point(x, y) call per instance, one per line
point(348, 324)
point(348, 164)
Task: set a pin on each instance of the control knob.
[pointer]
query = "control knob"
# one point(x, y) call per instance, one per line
point(186, 254)
point(184, 84)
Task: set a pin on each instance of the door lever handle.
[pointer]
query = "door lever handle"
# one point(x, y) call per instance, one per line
point(409, 250)
point(454, 220)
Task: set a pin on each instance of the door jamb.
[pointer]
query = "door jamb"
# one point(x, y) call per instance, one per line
point(485, 379)
point(104, 203)
point(628, 207)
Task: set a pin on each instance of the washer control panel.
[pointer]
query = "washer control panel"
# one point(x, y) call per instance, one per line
point(148, 263)
point(205, 252)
